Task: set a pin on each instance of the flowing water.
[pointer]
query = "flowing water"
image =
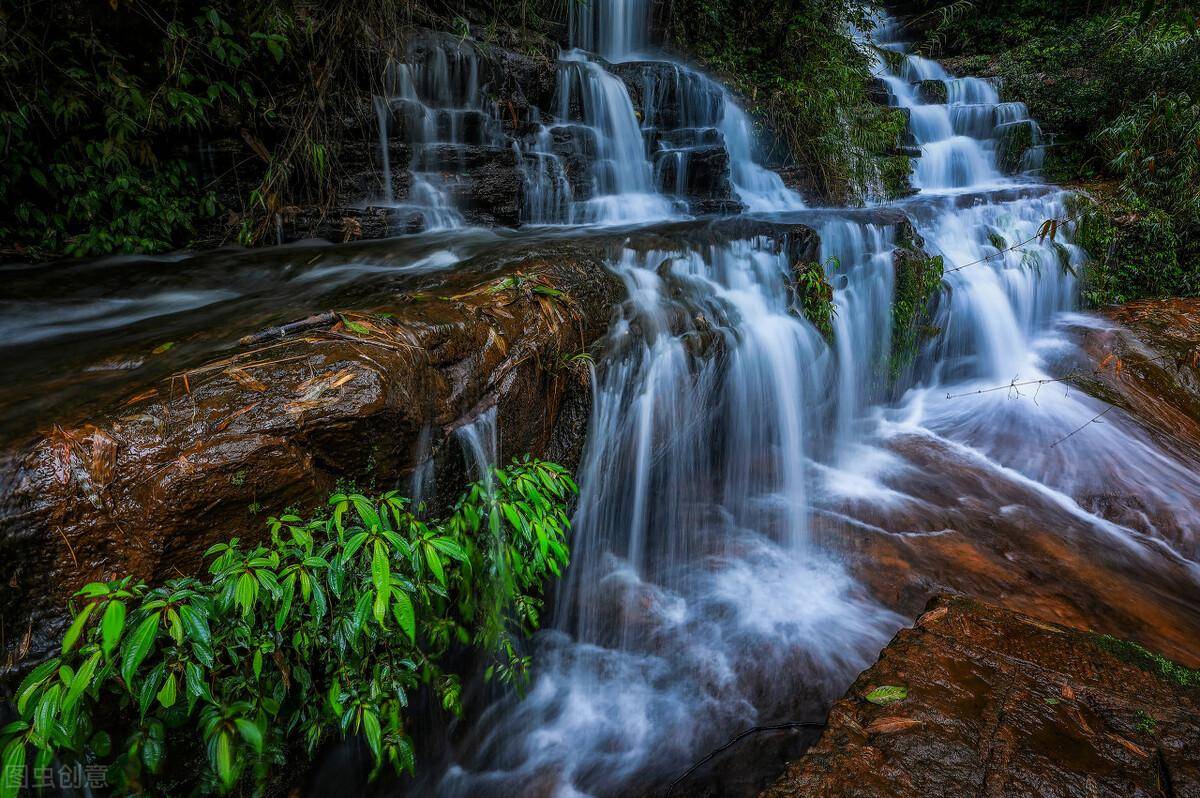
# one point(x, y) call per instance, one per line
point(758, 503)
point(727, 433)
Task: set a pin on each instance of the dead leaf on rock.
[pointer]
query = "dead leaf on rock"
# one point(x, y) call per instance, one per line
point(141, 396)
point(1129, 745)
point(932, 615)
point(245, 379)
point(1067, 692)
point(104, 457)
point(889, 725)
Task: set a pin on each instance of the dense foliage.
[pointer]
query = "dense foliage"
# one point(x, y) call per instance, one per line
point(1117, 84)
point(139, 127)
point(324, 631)
point(797, 66)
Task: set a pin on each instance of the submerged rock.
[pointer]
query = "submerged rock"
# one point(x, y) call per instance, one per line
point(991, 702)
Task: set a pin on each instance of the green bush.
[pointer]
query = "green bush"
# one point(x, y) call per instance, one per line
point(325, 631)
point(799, 70)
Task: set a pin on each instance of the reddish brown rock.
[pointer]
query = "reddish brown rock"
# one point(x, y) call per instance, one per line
point(1003, 704)
point(146, 485)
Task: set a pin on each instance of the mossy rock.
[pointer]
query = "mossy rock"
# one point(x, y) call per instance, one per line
point(932, 91)
point(1014, 141)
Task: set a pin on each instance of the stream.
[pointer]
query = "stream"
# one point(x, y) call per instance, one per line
point(758, 503)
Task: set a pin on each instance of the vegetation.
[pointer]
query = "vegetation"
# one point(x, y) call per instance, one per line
point(1144, 658)
point(797, 66)
point(1117, 84)
point(815, 294)
point(918, 281)
point(323, 632)
point(140, 127)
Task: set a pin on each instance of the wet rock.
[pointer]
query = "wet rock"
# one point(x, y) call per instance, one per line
point(878, 92)
point(999, 703)
point(698, 174)
point(931, 92)
point(1014, 140)
point(147, 484)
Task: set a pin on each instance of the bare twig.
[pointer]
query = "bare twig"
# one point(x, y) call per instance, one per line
point(794, 724)
point(1081, 426)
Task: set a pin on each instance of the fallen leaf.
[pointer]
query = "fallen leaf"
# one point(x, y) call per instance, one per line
point(887, 694)
point(1129, 745)
point(1067, 692)
point(158, 350)
point(889, 725)
point(141, 396)
point(932, 616)
point(245, 379)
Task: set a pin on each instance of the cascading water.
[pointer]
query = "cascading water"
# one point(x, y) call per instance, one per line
point(731, 443)
point(434, 104)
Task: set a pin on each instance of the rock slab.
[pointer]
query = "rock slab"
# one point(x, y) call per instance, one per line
point(1001, 704)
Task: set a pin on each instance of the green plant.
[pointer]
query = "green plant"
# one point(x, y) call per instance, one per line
point(325, 630)
point(816, 294)
point(918, 281)
point(807, 81)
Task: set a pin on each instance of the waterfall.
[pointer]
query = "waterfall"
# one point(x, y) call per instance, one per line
point(730, 441)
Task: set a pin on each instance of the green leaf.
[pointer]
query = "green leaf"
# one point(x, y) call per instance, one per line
point(195, 622)
point(76, 628)
point(169, 692)
point(366, 512)
point(402, 609)
point(374, 734)
point(250, 733)
point(35, 679)
point(887, 694)
point(435, 564)
point(224, 761)
point(12, 768)
point(381, 568)
point(80, 682)
point(137, 648)
point(380, 605)
point(112, 625)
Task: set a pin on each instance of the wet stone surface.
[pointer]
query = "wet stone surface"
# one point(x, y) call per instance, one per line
point(998, 703)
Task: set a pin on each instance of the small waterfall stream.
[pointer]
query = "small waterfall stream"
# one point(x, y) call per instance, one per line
point(730, 442)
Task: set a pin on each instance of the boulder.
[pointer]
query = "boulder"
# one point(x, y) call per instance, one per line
point(146, 483)
point(975, 699)
point(932, 92)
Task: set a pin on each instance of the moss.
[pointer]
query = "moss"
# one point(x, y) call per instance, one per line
point(1014, 141)
point(1134, 252)
point(815, 296)
point(801, 75)
point(918, 282)
point(1147, 660)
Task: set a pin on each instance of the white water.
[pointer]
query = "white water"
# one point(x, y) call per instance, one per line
point(698, 602)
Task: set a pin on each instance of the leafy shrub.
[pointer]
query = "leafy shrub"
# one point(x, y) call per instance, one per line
point(324, 631)
point(798, 68)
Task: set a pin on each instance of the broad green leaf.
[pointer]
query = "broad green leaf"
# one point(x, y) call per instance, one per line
point(137, 648)
point(81, 681)
point(76, 628)
point(112, 625)
point(402, 609)
point(435, 564)
point(250, 733)
point(366, 511)
point(11, 764)
point(381, 567)
point(35, 679)
point(169, 692)
point(380, 605)
point(224, 761)
point(887, 694)
point(195, 622)
point(374, 734)
point(45, 712)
